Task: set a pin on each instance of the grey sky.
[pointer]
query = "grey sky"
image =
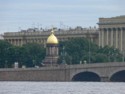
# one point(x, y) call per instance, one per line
point(15, 14)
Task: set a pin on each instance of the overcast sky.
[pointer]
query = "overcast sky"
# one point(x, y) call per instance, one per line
point(23, 14)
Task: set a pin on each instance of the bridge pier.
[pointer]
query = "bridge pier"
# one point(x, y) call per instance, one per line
point(104, 79)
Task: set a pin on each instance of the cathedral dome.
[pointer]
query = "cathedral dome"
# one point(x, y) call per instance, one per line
point(52, 39)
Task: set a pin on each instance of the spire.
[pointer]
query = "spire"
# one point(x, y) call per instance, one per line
point(52, 31)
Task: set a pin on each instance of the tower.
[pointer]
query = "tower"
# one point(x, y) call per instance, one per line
point(52, 51)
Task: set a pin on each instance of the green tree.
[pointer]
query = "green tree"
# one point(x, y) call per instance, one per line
point(33, 54)
point(4, 56)
point(112, 54)
point(15, 55)
point(79, 49)
point(100, 57)
point(29, 54)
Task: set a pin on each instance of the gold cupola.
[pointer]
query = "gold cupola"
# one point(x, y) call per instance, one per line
point(52, 39)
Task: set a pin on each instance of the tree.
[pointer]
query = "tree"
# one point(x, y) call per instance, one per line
point(100, 57)
point(29, 54)
point(79, 49)
point(112, 54)
point(4, 56)
point(33, 54)
point(76, 50)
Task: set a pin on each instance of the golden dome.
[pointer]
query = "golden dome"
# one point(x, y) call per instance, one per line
point(52, 39)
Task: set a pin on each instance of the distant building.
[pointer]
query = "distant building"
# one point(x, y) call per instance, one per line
point(1, 37)
point(112, 32)
point(40, 36)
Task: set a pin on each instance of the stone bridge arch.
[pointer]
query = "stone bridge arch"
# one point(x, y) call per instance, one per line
point(118, 75)
point(86, 76)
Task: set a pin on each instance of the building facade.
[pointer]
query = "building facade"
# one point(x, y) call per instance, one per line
point(112, 32)
point(1, 37)
point(40, 36)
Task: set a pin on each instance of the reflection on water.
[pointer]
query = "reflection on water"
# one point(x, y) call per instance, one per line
point(61, 88)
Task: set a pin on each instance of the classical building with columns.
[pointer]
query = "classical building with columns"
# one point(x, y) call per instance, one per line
point(1, 37)
point(40, 36)
point(112, 32)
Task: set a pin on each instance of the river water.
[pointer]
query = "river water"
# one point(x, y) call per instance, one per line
point(61, 88)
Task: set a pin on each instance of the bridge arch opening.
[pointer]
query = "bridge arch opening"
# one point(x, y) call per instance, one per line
point(86, 76)
point(118, 76)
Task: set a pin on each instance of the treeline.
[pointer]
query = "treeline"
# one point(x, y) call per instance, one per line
point(81, 50)
point(29, 54)
point(74, 51)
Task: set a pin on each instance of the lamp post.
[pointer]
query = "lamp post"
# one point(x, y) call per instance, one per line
point(123, 57)
point(63, 56)
point(33, 62)
point(109, 56)
point(115, 55)
point(89, 48)
point(70, 60)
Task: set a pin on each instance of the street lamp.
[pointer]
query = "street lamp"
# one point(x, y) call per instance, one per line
point(123, 56)
point(70, 60)
point(89, 47)
point(63, 56)
point(115, 55)
point(33, 62)
point(109, 57)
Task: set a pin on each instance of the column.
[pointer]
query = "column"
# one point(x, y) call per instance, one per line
point(47, 51)
point(14, 41)
point(50, 53)
point(11, 41)
point(57, 51)
point(17, 42)
point(21, 42)
point(111, 37)
point(102, 38)
point(107, 36)
point(99, 38)
point(121, 39)
point(116, 39)
point(123, 42)
point(53, 51)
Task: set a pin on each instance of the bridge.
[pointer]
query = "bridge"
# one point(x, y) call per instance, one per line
point(114, 71)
